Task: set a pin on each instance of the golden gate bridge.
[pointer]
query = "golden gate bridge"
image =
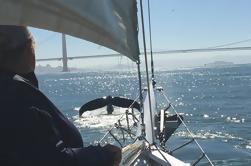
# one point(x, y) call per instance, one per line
point(65, 58)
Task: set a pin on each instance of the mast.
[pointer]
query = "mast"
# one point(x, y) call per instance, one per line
point(150, 135)
point(64, 51)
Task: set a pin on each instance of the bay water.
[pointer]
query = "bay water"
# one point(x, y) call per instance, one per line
point(215, 104)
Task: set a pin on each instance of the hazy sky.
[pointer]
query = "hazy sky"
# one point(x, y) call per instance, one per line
point(176, 24)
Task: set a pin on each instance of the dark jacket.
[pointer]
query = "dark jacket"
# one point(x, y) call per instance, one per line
point(33, 132)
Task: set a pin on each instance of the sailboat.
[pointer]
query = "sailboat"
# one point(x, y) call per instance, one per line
point(113, 24)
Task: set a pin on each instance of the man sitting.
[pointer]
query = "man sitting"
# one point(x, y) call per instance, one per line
point(33, 131)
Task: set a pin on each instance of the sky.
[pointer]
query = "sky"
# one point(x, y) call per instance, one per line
point(176, 24)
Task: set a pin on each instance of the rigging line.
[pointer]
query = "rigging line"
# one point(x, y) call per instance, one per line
point(146, 65)
point(150, 34)
point(106, 134)
point(118, 120)
point(116, 126)
point(109, 130)
point(188, 130)
point(157, 148)
point(232, 43)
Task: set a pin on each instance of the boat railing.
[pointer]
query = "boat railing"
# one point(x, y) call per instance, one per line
point(128, 123)
point(131, 121)
point(193, 140)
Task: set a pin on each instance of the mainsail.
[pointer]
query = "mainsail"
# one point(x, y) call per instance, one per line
point(111, 23)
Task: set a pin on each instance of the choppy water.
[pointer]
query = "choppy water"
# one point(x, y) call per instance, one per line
point(215, 103)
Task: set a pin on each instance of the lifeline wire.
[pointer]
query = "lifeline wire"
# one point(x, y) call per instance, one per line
point(118, 120)
point(188, 130)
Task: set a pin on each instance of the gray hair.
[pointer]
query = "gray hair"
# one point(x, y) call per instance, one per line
point(12, 39)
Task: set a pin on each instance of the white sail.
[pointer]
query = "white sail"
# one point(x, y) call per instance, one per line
point(148, 115)
point(111, 23)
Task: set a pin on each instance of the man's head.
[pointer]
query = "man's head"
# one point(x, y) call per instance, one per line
point(16, 49)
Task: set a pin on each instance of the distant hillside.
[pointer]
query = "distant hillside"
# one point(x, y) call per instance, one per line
point(219, 64)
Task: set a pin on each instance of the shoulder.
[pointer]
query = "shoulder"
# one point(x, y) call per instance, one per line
point(16, 91)
point(18, 96)
point(13, 81)
point(18, 78)
point(23, 87)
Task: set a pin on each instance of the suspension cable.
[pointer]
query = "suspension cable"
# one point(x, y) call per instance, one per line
point(230, 44)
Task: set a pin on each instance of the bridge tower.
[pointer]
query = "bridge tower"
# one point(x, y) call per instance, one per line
point(64, 51)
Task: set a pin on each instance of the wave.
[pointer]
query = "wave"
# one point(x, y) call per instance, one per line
point(207, 135)
point(100, 119)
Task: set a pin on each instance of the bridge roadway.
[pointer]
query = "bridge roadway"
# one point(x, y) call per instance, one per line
point(65, 58)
